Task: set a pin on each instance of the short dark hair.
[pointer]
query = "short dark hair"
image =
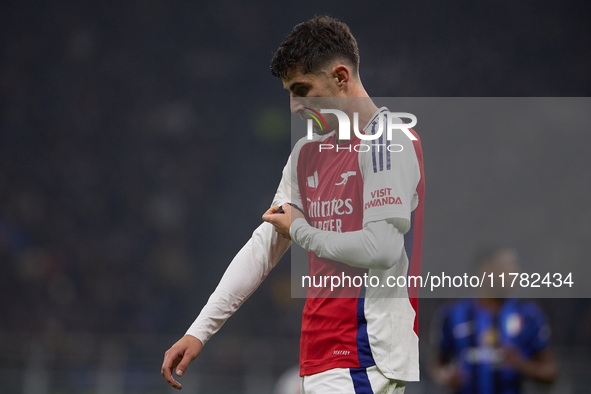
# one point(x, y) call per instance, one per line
point(312, 44)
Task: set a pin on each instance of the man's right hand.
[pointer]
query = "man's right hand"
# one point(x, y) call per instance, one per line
point(179, 356)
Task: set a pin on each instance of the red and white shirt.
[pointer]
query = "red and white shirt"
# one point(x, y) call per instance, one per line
point(345, 190)
point(356, 199)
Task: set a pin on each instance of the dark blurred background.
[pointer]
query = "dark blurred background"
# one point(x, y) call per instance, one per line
point(140, 141)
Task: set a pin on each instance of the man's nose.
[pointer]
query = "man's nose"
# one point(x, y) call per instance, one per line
point(295, 104)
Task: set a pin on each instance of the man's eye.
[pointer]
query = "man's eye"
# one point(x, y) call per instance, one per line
point(302, 92)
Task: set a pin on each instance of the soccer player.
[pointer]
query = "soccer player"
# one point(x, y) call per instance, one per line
point(366, 211)
point(487, 345)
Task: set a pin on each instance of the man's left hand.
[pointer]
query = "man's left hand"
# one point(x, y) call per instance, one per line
point(282, 221)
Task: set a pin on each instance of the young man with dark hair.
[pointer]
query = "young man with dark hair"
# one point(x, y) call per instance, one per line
point(363, 340)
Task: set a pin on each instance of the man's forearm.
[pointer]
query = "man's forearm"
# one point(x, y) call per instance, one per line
point(540, 367)
point(243, 276)
point(379, 245)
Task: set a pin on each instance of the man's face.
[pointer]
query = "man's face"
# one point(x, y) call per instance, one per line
point(302, 87)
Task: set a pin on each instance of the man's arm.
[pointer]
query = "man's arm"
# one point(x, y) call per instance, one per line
point(378, 245)
point(541, 367)
point(446, 373)
point(243, 276)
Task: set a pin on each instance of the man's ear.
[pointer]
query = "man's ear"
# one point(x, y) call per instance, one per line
point(342, 74)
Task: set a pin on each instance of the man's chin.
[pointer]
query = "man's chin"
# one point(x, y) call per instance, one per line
point(321, 132)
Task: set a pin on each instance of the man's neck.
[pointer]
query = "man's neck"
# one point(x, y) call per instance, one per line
point(492, 304)
point(363, 105)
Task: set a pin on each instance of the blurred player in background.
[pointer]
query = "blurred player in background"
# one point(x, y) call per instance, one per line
point(488, 345)
point(362, 341)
